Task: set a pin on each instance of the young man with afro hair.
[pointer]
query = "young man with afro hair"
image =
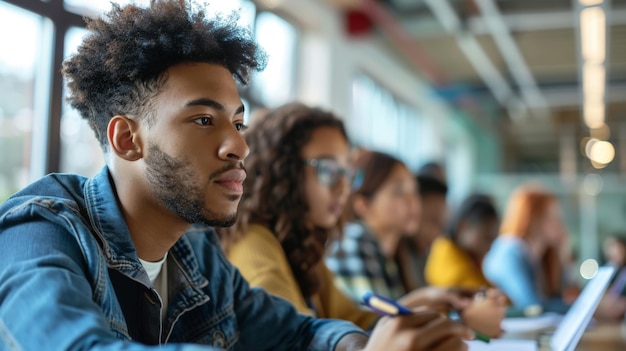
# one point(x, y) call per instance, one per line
point(123, 260)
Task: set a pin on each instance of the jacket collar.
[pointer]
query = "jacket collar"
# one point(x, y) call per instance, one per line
point(111, 230)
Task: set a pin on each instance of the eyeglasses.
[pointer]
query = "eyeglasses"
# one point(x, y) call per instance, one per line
point(328, 171)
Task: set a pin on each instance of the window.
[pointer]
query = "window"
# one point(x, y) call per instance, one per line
point(19, 82)
point(39, 133)
point(275, 85)
point(379, 121)
point(80, 150)
point(95, 7)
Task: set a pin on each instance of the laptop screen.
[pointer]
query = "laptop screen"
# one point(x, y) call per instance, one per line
point(570, 330)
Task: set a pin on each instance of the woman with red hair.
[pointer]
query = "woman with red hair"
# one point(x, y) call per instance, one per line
point(524, 261)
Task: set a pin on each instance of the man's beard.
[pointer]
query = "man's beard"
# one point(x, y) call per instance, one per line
point(174, 183)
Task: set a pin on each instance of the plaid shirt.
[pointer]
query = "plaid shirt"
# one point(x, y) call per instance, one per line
point(360, 266)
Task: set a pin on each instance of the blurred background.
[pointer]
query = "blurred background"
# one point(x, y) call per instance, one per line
point(500, 92)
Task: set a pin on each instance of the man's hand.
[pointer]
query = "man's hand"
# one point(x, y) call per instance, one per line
point(421, 331)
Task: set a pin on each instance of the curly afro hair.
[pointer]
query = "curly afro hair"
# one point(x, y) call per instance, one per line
point(274, 192)
point(121, 64)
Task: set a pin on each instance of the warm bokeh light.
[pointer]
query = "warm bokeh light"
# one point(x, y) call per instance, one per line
point(601, 152)
point(590, 2)
point(589, 268)
point(593, 113)
point(588, 145)
point(597, 165)
point(602, 132)
point(594, 81)
point(593, 34)
point(583, 145)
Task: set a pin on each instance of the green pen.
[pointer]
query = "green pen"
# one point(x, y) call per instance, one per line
point(388, 307)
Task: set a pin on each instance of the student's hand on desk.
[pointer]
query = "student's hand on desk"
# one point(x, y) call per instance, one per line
point(486, 312)
point(435, 297)
point(421, 331)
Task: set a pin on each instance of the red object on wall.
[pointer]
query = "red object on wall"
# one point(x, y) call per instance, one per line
point(357, 23)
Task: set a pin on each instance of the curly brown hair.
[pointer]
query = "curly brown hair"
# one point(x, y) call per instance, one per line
point(120, 66)
point(274, 194)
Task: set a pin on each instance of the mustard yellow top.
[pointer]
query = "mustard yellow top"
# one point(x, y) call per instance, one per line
point(261, 260)
point(449, 266)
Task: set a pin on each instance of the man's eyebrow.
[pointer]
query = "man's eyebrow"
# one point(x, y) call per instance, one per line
point(212, 103)
point(240, 109)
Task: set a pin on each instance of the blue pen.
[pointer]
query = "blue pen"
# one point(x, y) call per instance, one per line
point(384, 306)
point(388, 307)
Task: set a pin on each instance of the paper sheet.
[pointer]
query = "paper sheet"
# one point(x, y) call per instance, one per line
point(503, 344)
point(530, 324)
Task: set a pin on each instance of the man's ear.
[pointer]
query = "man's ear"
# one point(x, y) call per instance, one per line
point(124, 138)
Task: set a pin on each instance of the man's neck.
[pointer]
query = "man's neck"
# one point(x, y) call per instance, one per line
point(153, 228)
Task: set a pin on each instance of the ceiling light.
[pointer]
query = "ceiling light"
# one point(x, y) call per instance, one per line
point(593, 114)
point(593, 34)
point(594, 81)
point(583, 145)
point(602, 152)
point(597, 165)
point(603, 132)
point(590, 2)
point(588, 146)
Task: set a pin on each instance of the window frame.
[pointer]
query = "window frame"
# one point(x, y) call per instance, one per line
point(62, 20)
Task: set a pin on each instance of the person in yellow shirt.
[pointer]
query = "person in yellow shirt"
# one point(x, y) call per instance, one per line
point(455, 258)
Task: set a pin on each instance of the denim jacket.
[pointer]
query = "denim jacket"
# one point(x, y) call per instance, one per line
point(70, 279)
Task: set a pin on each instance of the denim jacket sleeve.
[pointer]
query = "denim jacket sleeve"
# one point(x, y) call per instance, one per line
point(267, 322)
point(282, 327)
point(46, 297)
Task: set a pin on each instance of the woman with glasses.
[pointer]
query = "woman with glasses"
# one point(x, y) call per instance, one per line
point(299, 176)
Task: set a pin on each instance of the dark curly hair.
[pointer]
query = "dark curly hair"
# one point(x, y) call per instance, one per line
point(274, 192)
point(121, 64)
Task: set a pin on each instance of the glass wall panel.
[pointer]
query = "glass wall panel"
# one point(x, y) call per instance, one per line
point(20, 60)
point(80, 151)
point(275, 85)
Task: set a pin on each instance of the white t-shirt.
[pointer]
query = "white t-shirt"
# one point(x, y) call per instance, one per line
point(157, 272)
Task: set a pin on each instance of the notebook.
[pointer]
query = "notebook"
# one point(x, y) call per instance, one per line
point(571, 327)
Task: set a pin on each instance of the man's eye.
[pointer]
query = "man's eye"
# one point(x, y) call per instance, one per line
point(203, 121)
point(241, 127)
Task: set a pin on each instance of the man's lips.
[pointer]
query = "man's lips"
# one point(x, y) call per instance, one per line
point(232, 180)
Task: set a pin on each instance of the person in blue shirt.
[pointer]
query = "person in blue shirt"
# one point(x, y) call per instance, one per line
point(126, 259)
point(524, 261)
